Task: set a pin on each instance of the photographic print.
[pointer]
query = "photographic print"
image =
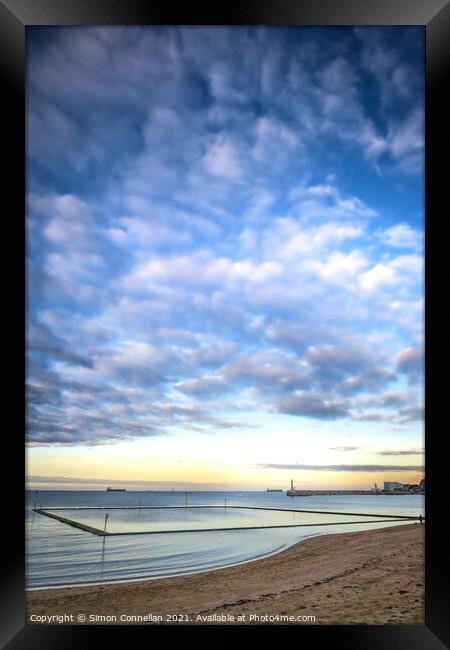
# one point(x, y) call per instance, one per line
point(225, 325)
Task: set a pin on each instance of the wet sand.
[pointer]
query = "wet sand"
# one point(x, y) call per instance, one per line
point(369, 577)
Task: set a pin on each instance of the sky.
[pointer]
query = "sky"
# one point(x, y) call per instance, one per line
point(224, 257)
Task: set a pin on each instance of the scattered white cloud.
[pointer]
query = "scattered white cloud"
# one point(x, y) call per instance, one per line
point(212, 222)
point(402, 235)
point(221, 159)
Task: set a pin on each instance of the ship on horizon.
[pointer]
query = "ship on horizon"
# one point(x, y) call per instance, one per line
point(111, 489)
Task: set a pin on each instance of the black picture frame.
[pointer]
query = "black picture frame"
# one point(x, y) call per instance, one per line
point(434, 16)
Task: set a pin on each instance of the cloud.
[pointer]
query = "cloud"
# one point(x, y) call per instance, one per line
point(341, 268)
point(221, 160)
point(373, 417)
point(402, 235)
point(392, 399)
point(346, 468)
point(395, 73)
point(407, 136)
point(42, 342)
point(378, 275)
point(120, 414)
point(401, 452)
point(313, 406)
point(63, 482)
point(206, 386)
point(410, 362)
point(411, 414)
point(371, 380)
point(218, 217)
point(344, 448)
point(339, 360)
point(266, 370)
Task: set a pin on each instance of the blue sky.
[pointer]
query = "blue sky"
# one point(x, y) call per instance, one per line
point(225, 253)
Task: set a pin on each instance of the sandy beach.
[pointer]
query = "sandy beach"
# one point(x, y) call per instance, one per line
point(370, 577)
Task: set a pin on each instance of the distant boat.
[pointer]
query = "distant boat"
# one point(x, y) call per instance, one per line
point(111, 489)
point(274, 490)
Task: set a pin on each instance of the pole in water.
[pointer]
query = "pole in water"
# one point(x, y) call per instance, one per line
point(106, 519)
point(139, 503)
point(35, 499)
point(225, 503)
point(186, 499)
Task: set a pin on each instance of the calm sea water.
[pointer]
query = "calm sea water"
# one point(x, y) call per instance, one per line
point(58, 554)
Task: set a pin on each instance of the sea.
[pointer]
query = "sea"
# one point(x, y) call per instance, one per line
point(147, 544)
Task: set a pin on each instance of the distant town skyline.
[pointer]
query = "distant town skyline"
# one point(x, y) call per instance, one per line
point(225, 257)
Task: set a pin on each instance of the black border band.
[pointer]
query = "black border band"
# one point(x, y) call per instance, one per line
point(435, 16)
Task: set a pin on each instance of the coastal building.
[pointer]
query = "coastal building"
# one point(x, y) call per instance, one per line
point(409, 488)
point(414, 488)
point(394, 486)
